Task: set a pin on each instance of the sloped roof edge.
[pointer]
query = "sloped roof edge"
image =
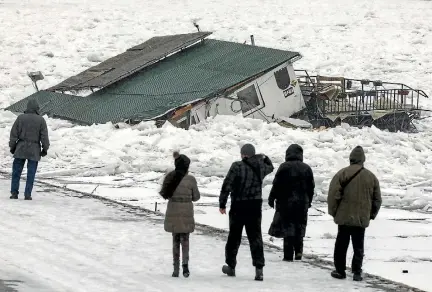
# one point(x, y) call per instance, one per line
point(129, 62)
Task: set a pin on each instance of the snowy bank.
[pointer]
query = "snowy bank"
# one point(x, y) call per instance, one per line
point(143, 152)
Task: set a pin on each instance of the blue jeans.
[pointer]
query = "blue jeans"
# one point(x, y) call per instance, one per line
point(17, 168)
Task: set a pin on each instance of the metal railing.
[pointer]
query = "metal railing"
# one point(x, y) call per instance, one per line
point(361, 95)
point(385, 99)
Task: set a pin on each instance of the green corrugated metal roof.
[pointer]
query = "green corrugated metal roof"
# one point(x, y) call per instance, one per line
point(195, 73)
point(49, 102)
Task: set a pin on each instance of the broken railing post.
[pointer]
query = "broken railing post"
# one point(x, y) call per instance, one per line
point(94, 190)
point(252, 40)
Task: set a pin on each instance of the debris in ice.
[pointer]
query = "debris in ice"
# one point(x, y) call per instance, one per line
point(95, 57)
point(48, 54)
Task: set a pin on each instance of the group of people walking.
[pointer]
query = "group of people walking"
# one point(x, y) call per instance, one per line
point(354, 198)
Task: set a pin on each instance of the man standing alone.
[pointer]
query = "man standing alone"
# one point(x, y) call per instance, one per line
point(354, 199)
point(244, 183)
point(28, 134)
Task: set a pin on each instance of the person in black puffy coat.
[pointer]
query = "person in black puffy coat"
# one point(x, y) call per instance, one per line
point(293, 190)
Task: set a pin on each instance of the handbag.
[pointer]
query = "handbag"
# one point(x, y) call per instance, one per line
point(276, 226)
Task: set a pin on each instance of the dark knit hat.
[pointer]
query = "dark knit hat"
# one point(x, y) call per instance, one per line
point(182, 163)
point(247, 150)
point(357, 156)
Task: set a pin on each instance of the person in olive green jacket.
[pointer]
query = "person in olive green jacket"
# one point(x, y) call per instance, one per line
point(354, 198)
point(181, 190)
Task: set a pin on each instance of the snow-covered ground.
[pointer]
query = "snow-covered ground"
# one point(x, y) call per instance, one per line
point(397, 240)
point(61, 242)
point(381, 39)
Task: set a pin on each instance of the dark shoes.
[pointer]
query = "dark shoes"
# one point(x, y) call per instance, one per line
point(259, 276)
point(176, 270)
point(186, 272)
point(227, 270)
point(337, 275)
point(15, 197)
point(356, 277)
point(298, 257)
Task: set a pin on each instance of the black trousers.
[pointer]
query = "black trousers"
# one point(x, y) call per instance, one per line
point(292, 244)
point(345, 233)
point(245, 214)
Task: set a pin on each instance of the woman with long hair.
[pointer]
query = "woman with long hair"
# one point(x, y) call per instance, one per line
point(180, 189)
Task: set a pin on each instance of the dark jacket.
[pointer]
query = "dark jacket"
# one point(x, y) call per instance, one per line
point(29, 134)
point(179, 216)
point(361, 200)
point(293, 190)
point(244, 180)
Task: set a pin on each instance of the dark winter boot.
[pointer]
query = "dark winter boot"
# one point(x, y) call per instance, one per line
point(259, 276)
point(287, 260)
point(186, 272)
point(14, 196)
point(357, 277)
point(176, 270)
point(28, 198)
point(227, 270)
point(337, 275)
point(298, 256)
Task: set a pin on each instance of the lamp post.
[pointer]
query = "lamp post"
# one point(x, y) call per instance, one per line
point(35, 77)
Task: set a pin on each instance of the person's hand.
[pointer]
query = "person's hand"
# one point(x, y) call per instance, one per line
point(44, 153)
point(271, 203)
point(222, 211)
point(12, 150)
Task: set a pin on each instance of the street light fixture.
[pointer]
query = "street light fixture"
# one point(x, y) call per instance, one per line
point(35, 77)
